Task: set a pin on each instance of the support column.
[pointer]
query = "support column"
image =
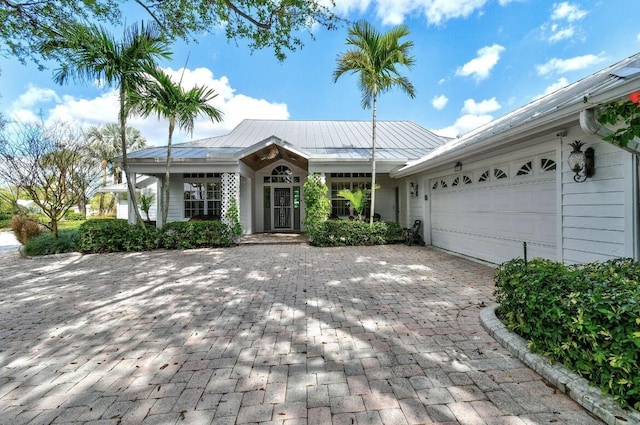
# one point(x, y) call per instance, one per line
point(230, 190)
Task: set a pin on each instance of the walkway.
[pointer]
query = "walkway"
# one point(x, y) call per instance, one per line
point(260, 334)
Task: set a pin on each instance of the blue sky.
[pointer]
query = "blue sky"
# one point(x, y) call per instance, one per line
point(475, 61)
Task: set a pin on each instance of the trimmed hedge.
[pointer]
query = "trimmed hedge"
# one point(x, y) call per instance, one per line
point(195, 234)
point(586, 317)
point(351, 232)
point(46, 244)
point(120, 236)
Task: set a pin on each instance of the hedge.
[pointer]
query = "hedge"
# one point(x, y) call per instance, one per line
point(119, 236)
point(352, 232)
point(586, 317)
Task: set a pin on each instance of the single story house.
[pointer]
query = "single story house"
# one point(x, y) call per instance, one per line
point(263, 164)
point(488, 194)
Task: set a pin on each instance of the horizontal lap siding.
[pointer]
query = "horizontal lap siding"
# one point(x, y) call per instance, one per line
point(594, 218)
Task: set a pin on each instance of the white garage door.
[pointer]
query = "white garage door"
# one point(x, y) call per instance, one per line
point(488, 213)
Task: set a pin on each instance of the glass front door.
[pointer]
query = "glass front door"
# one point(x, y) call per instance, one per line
point(282, 208)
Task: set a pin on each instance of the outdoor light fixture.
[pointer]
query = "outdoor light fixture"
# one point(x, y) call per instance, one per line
point(457, 167)
point(413, 189)
point(581, 163)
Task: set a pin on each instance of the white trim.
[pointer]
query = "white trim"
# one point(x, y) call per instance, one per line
point(559, 204)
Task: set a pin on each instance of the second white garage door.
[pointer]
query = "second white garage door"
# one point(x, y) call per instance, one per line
point(488, 213)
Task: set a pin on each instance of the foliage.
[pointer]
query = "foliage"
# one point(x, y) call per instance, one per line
point(161, 96)
point(5, 220)
point(587, 317)
point(25, 228)
point(395, 233)
point(195, 234)
point(105, 144)
point(74, 216)
point(233, 217)
point(357, 199)
point(625, 112)
point(28, 25)
point(375, 57)
point(317, 204)
point(93, 53)
point(48, 163)
point(47, 244)
point(354, 232)
point(146, 198)
point(115, 236)
point(119, 236)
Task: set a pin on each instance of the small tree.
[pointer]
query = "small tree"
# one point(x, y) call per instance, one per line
point(233, 218)
point(317, 205)
point(145, 199)
point(49, 164)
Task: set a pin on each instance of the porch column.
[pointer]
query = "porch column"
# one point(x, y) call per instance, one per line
point(131, 213)
point(230, 190)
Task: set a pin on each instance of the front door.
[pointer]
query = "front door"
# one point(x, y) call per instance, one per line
point(282, 208)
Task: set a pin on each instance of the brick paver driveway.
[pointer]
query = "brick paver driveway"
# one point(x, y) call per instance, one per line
point(284, 334)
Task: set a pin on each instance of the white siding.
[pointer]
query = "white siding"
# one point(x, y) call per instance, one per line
point(245, 204)
point(176, 199)
point(595, 214)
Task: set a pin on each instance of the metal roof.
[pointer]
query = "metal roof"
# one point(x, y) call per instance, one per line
point(340, 139)
point(599, 87)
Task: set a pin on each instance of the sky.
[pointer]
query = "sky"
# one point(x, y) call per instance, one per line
point(475, 60)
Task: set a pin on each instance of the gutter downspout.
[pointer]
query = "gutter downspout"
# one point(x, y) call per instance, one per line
point(590, 125)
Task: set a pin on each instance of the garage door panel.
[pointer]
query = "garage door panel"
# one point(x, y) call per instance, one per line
point(491, 220)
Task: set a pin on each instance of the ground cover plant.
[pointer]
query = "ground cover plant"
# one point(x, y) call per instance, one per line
point(586, 317)
point(47, 244)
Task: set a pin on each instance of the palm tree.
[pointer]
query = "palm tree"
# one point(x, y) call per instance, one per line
point(105, 144)
point(93, 54)
point(375, 57)
point(169, 100)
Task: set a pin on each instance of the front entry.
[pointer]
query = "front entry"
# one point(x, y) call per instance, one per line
point(282, 207)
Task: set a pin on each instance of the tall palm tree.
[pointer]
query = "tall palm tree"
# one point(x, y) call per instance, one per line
point(93, 54)
point(105, 145)
point(375, 57)
point(169, 100)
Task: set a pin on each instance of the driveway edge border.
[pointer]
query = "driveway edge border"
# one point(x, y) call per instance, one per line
point(568, 382)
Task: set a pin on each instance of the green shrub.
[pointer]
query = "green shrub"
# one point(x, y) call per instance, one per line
point(317, 205)
point(24, 228)
point(73, 216)
point(5, 221)
point(195, 234)
point(47, 244)
point(586, 317)
point(115, 236)
point(350, 232)
point(395, 233)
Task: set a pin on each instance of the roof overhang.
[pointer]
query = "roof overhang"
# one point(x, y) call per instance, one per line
point(270, 150)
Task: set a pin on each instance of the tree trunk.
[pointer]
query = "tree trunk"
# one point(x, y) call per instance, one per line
point(104, 183)
point(125, 165)
point(167, 175)
point(373, 160)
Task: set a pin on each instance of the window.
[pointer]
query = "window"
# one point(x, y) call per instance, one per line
point(499, 174)
point(467, 180)
point(340, 206)
point(282, 174)
point(547, 164)
point(484, 176)
point(202, 198)
point(435, 185)
point(456, 182)
point(525, 170)
point(443, 184)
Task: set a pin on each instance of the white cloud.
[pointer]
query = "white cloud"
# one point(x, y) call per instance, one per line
point(393, 12)
point(560, 66)
point(463, 125)
point(474, 114)
point(481, 108)
point(481, 66)
point(562, 82)
point(104, 108)
point(559, 34)
point(567, 12)
point(439, 102)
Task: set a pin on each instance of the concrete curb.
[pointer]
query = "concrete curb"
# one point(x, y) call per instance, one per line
point(568, 382)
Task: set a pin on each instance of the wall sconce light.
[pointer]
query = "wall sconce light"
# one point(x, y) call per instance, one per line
point(457, 167)
point(413, 189)
point(581, 163)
